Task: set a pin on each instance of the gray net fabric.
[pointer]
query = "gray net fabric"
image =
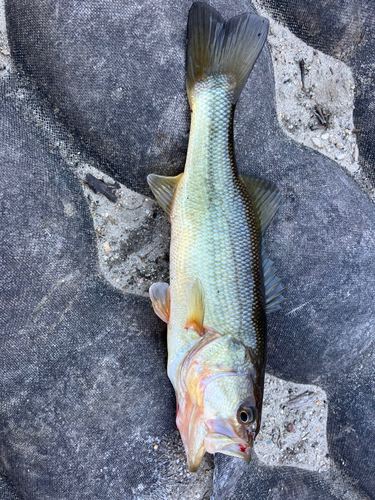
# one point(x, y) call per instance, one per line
point(84, 391)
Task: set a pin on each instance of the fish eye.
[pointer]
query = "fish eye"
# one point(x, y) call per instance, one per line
point(246, 414)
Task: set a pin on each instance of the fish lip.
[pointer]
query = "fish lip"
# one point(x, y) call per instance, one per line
point(223, 438)
point(228, 445)
point(246, 456)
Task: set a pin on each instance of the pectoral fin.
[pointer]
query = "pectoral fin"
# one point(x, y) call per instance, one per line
point(160, 298)
point(163, 189)
point(195, 315)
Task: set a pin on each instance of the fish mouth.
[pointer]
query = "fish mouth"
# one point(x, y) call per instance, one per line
point(214, 436)
point(220, 443)
point(222, 438)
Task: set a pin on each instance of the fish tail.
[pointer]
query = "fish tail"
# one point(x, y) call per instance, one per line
point(217, 47)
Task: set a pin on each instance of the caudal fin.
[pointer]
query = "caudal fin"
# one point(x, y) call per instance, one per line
point(218, 47)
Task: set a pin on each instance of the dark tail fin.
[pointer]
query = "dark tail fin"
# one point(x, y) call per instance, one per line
point(215, 46)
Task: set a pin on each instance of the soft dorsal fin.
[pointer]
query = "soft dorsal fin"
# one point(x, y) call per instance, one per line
point(266, 199)
point(196, 306)
point(160, 298)
point(163, 189)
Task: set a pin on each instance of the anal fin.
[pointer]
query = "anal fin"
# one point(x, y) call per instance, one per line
point(163, 189)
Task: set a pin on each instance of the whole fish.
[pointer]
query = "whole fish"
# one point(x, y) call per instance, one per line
point(222, 284)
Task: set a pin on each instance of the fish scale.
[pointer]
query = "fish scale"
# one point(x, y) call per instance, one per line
point(214, 234)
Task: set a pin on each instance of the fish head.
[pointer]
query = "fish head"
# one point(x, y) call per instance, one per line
point(219, 402)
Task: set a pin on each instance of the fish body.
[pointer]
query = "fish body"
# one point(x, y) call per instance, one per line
point(220, 277)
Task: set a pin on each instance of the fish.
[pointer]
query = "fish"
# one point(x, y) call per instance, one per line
point(222, 283)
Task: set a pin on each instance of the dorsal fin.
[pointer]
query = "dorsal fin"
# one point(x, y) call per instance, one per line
point(196, 306)
point(163, 189)
point(272, 284)
point(160, 298)
point(266, 199)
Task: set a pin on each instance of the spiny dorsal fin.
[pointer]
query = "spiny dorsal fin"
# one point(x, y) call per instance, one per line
point(216, 47)
point(160, 298)
point(163, 189)
point(266, 199)
point(272, 285)
point(196, 306)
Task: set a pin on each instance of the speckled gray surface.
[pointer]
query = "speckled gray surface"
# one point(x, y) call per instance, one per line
point(344, 30)
point(76, 354)
point(86, 408)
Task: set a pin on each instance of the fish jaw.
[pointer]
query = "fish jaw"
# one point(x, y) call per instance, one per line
point(214, 436)
point(193, 433)
point(190, 421)
point(222, 438)
point(220, 444)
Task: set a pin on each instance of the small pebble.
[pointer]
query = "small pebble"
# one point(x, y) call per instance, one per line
point(340, 156)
